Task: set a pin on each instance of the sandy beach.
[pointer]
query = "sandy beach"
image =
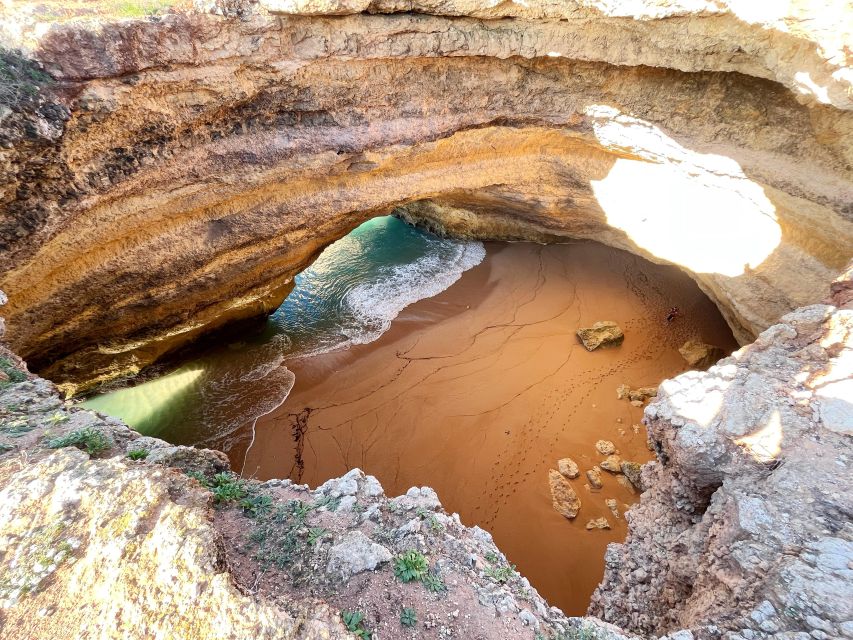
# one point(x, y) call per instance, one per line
point(478, 391)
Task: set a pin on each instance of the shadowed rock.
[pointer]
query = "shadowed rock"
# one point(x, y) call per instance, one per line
point(700, 355)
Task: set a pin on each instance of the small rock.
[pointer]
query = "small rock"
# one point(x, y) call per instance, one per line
point(612, 463)
point(632, 471)
point(598, 523)
point(563, 496)
point(612, 505)
point(622, 391)
point(700, 355)
point(528, 619)
point(371, 487)
point(604, 333)
point(636, 403)
point(354, 554)
point(568, 467)
point(594, 477)
point(642, 394)
point(605, 447)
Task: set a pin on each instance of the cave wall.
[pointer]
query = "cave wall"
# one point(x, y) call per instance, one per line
point(174, 174)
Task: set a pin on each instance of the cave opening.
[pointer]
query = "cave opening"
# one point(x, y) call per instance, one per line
point(454, 364)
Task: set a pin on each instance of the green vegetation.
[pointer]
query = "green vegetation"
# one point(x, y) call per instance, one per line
point(314, 535)
point(497, 570)
point(58, 418)
point(408, 617)
point(136, 8)
point(137, 454)
point(92, 441)
point(434, 582)
point(353, 620)
point(283, 534)
point(226, 487)
point(16, 428)
point(413, 566)
point(20, 82)
point(584, 632)
point(410, 566)
point(256, 505)
point(12, 372)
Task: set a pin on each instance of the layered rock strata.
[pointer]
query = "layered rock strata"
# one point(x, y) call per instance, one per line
point(166, 176)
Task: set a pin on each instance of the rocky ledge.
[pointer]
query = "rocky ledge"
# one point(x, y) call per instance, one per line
point(744, 531)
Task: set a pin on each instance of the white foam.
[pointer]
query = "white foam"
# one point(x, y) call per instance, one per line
point(375, 304)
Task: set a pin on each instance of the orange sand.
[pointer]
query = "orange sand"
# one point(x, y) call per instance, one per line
point(479, 391)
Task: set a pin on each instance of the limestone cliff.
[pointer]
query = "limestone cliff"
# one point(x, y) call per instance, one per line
point(746, 528)
point(165, 176)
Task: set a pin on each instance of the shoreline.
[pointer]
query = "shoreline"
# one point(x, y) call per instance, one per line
point(431, 402)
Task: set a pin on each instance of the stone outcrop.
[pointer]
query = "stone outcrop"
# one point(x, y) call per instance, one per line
point(165, 177)
point(745, 529)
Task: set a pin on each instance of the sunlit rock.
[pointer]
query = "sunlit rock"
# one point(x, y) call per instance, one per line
point(601, 334)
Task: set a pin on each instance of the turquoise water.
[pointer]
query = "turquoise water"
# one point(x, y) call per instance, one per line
point(349, 295)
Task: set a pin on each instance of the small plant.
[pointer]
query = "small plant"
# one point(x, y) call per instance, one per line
point(137, 454)
point(13, 374)
point(502, 574)
point(498, 571)
point(257, 505)
point(197, 475)
point(435, 525)
point(434, 582)
point(57, 418)
point(410, 566)
point(227, 488)
point(331, 504)
point(93, 441)
point(314, 535)
point(408, 617)
point(353, 621)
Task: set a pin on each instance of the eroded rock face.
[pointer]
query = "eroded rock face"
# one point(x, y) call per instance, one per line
point(742, 531)
point(158, 189)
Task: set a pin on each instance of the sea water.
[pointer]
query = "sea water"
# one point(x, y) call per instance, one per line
point(349, 295)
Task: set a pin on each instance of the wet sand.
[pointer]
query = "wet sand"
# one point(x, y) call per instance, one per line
point(478, 391)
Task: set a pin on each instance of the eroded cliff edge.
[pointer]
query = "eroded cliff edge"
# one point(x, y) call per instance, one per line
point(744, 532)
point(167, 176)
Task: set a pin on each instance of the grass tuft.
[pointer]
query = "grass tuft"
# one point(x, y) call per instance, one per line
point(92, 441)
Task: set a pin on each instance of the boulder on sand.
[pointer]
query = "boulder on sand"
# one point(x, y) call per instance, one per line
point(594, 477)
point(563, 497)
point(568, 467)
point(604, 333)
point(598, 523)
point(700, 355)
point(605, 447)
point(612, 463)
